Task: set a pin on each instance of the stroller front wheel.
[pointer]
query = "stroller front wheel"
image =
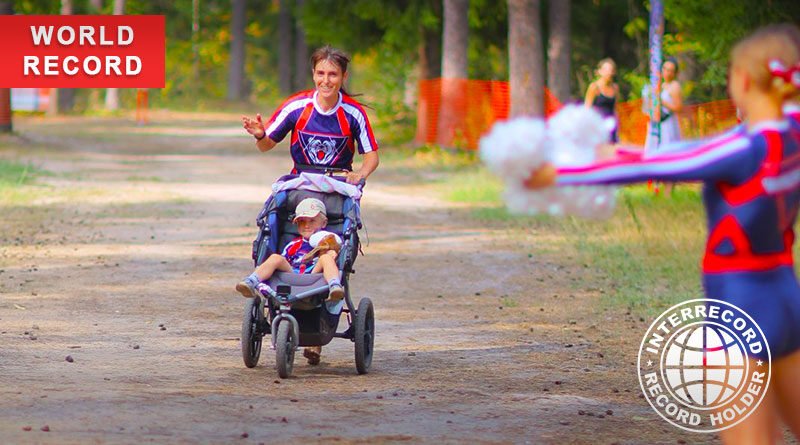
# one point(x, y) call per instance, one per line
point(364, 335)
point(284, 349)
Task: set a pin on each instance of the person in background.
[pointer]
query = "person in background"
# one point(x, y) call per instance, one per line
point(671, 105)
point(603, 93)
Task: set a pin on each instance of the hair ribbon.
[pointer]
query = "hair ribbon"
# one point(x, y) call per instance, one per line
point(790, 75)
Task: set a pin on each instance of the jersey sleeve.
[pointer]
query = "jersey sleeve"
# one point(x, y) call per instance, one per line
point(729, 159)
point(362, 130)
point(285, 117)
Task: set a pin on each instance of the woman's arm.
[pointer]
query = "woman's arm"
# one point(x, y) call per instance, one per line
point(368, 165)
point(721, 159)
point(591, 93)
point(255, 127)
point(674, 89)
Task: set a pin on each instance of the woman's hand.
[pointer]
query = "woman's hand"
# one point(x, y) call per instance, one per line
point(355, 177)
point(254, 126)
point(544, 176)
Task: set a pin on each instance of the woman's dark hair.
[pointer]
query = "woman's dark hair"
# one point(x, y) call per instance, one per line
point(333, 55)
point(673, 61)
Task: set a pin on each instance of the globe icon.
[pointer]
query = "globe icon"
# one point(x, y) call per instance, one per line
point(704, 365)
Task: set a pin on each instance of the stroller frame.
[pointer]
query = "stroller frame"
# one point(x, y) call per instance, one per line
point(295, 313)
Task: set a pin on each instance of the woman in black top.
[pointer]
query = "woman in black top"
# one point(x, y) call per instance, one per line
point(603, 93)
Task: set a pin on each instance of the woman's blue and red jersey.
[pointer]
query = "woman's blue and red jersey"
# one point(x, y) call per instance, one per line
point(326, 138)
point(751, 194)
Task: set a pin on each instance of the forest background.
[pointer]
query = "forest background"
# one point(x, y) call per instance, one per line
point(245, 56)
point(240, 55)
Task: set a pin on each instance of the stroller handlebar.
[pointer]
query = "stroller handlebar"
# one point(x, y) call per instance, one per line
point(334, 172)
point(308, 168)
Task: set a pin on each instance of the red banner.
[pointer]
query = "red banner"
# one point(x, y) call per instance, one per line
point(82, 51)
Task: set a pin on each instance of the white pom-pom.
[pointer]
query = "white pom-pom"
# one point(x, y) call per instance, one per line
point(573, 134)
point(516, 148)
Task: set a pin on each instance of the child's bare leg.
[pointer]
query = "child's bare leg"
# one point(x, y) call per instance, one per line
point(327, 265)
point(247, 287)
point(273, 263)
point(761, 426)
point(786, 377)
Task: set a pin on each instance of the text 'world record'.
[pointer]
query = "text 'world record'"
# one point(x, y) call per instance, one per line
point(99, 51)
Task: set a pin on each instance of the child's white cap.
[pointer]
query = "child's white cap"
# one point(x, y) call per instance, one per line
point(309, 208)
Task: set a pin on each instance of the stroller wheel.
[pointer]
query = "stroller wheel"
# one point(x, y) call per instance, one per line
point(364, 335)
point(252, 332)
point(284, 349)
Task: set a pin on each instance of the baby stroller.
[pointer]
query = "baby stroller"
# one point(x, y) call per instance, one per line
point(296, 313)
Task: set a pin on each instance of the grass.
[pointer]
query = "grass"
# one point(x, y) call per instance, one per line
point(15, 182)
point(13, 174)
point(645, 256)
point(430, 158)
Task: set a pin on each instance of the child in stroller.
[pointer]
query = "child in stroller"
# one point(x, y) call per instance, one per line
point(298, 255)
point(299, 306)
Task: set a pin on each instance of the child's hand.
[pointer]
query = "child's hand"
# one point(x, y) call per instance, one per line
point(544, 176)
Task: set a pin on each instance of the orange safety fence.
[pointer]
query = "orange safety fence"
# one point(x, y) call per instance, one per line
point(472, 109)
point(473, 106)
point(696, 121)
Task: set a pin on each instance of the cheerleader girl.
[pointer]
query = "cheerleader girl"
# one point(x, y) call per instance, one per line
point(751, 194)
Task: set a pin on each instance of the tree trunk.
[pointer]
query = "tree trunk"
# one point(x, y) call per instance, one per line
point(95, 7)
point(526, 58)
point(6, 8)
point(112, 94)
point(450, 129)
point(456, 29)
point(61, 97)
point(302, 72)
point(285, 47)
point(559, 49)
point(236, 67)
point(430, 50)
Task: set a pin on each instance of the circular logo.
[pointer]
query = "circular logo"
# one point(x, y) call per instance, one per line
point(704, 365)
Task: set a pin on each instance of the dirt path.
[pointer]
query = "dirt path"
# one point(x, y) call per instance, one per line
point(127, 261)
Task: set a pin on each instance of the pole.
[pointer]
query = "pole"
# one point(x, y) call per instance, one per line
point(656, 34)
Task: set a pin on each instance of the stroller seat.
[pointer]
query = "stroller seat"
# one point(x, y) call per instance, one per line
point(300, 283)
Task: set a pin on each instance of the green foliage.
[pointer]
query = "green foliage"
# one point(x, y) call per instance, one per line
point(713, 28)
point(613, 29)
point(36, 7)
point(384, 38)
point(487, 48)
